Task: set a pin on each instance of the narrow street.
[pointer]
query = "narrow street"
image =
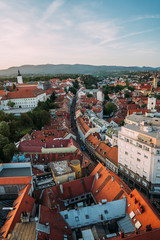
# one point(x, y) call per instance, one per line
point(87, 153)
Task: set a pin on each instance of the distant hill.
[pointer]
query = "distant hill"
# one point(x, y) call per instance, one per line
point(49, 69)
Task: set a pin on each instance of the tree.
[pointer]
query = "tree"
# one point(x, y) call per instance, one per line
point(4, 129)
point(10, 117)
point(144, 105)
point(53, 97)
point(73, 90)
point(126, 95)
point(10, 104)
point(13, 129)
point(109, 108)
point(76, 84)
point(2, 116)
point(25, 120)
point(3, 142)
point(8, 151)
point(89, 95)
point(40, 118)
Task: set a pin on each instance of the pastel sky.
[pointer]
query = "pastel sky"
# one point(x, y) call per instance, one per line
point(97, 32)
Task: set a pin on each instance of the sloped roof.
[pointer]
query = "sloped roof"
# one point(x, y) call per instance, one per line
point(108, 185)
point(58, 227)
point(143, 210)
point(23, 93)
point(154, 235)
point(15, 180)
point(103, 149)
point(93, 141)
point(23, 203)
point(113, 155)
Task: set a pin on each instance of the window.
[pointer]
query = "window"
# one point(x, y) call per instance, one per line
point(66, 216)
point(138, 160)
point(158, 160)
point(158, 151)
point(126, 165)
point(145, 156)
point(146, 148)
point(77, 219)
point(138, 153)
point(105, 211)
point(126, 153)
point(144, 177)
point(87, 217)
point(100, 149)
point(139, 145)
point(137, 179)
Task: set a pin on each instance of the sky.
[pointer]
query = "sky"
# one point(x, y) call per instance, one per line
point(95, 32)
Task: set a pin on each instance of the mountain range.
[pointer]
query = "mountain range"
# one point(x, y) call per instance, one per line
point(49, 69)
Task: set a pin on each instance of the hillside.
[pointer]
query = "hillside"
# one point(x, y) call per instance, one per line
point(48, 69)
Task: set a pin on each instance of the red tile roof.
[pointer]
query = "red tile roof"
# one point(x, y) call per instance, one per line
point(143, 209)
point(15, 180)
point(23, 203)
point(23, 93)
point(58, 227)
point(154, 235)
point(108, 186)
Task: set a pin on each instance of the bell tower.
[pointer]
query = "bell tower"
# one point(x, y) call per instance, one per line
point(19, 78)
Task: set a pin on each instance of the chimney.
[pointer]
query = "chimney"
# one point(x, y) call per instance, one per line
point(121, 234)
point(97, 175)
point(61, 188)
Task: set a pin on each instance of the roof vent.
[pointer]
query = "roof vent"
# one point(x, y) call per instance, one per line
point(97, 175)
point(148, 228)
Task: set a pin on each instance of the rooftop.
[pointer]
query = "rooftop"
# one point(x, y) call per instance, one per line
point(155, 133)
point(61, 167)
point(15, 170)
point(84, 216)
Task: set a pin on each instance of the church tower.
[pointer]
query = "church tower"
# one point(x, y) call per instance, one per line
point(155, 81)
point(19, 78)
point(151, 103)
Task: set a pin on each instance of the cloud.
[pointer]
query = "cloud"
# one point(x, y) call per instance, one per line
point(140, 18)
point(132, 34)
point(53, 7)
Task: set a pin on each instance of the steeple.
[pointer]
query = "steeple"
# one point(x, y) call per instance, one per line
point(19, 78)
point(19, 73)
point(155, 81)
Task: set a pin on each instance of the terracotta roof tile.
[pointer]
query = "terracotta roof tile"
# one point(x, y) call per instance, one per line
point(143, 210)
point(23, 203)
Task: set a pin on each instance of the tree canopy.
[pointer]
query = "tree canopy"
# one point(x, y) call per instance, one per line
point(109, 108)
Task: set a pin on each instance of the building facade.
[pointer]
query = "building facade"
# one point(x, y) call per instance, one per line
point(139, 156)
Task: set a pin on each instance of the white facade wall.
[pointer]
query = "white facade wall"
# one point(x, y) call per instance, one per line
point(100, 96)
point(24, 102)
point(138, 157)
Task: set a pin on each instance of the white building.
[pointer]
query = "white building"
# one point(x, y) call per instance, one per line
point(23, 98)
point(139, 155)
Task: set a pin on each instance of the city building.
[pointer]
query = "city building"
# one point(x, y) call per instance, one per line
point(139, 154)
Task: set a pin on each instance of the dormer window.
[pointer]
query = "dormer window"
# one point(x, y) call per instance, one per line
point(100, 149)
